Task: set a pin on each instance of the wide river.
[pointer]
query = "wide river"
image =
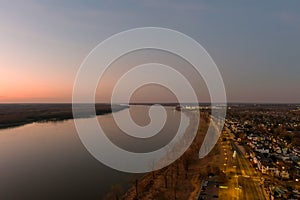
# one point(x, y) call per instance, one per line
point(48, 161)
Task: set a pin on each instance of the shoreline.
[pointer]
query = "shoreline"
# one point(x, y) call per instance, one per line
point(182, 178)
point(16, 115)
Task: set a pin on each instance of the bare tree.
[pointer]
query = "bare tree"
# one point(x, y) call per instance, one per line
point(115, 193)
point(136, 188)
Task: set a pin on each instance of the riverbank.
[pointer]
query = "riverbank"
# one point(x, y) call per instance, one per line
point(12, 115)
point(181, 179)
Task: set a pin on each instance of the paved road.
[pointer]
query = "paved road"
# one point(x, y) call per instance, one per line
point(247, 179)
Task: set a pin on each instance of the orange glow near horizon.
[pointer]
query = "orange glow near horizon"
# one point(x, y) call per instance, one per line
point(21, 86)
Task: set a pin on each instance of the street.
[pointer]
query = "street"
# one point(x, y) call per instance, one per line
point(247, 179)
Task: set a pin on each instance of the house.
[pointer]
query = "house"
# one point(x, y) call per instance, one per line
point(265, 165)
point(262, 150)
point(285, 175)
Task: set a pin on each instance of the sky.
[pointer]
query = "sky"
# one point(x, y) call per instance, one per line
point(255, 44)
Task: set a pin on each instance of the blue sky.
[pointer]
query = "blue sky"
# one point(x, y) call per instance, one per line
point(255, 44)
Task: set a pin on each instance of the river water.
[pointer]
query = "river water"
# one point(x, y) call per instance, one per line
point(48, 161)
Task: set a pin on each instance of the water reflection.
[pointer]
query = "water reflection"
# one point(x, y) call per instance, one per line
point(140, 116)
point(48, 161)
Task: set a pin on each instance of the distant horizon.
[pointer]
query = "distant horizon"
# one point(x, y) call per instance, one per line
point(149, 103)
point(254, 44)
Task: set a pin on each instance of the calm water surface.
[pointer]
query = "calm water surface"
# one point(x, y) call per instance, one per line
point(47, 160)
